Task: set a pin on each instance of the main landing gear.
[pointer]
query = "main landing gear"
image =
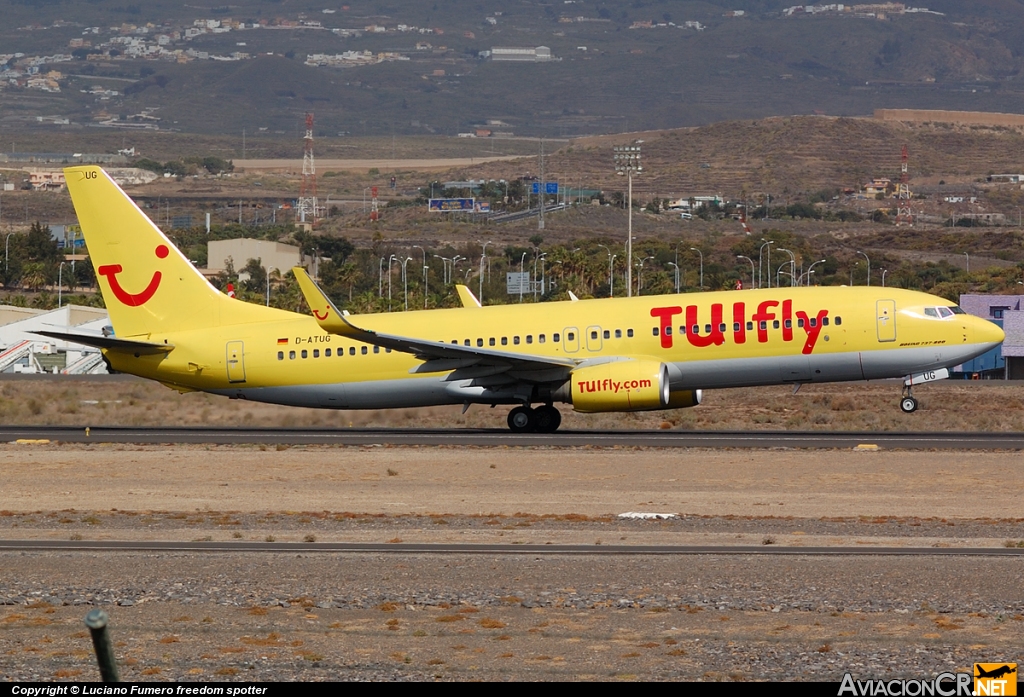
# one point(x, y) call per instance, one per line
point(907, 403)
point(543, 419)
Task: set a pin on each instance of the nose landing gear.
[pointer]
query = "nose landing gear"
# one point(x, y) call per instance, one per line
point(908, 404)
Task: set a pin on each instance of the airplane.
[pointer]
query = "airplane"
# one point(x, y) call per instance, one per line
point(604, 355)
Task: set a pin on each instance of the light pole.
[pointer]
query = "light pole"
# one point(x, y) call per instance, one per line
point(640, 276)
point(426, 269)
point(869, 265)
point(60, 282)
point(740, 256)
point(778, 273)
point(380, 278)
point(884, 271)
point(809, 271)
point(533, 279)
point(405, 283)
point(521, 262)
point(792, 268)
point(269, 269)
point(7, 249)
point(694, 249)
point(676, 267)
point(968, 261)
point(611, 277)
point(627, 162)
point(483, 257)
point(391, 259)
point(760, 267)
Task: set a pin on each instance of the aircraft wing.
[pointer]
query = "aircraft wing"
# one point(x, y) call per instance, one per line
point(111, 343)
point(466, 361)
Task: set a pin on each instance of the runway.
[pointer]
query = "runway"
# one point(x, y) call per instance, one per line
point(503, 438)
point(499, 549)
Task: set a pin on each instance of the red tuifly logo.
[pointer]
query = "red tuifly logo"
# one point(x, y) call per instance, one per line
point(133, 299)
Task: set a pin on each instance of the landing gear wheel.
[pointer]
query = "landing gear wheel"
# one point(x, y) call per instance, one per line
point(548, 419)
point(908, 405)
point(522, 420)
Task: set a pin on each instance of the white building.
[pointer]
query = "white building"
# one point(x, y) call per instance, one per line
point(22, 351)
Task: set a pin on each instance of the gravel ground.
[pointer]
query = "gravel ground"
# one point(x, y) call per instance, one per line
point(403, 616)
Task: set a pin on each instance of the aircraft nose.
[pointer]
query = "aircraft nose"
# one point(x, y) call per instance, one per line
point(985, 332)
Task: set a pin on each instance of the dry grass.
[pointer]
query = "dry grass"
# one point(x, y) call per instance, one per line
point(950, 405)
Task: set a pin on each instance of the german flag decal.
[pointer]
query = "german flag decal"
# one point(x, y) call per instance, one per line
point(282, 341)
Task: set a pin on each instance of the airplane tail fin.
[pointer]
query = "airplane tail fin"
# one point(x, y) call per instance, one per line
point(148, 285)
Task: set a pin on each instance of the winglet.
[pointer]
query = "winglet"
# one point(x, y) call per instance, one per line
point(467, 297)
point(329, 317)
point(572, 296)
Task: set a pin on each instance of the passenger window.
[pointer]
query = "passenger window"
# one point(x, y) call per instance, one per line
point(618, 333)
point(735, 326)
point(629, 333)
point(839, 320)
point(280, 355)
point(607, 334)
point(515, 340)
point(824, 321)
point(682, 328)
point(504, 341)
point(571, 336)
point(655, 331)
point(789, 324)
point(775, 324)
point(490, 342)
point(376, 349)
point(387, 350)
point(721, 327)
point(540, 339)
point(695, 329)
point(750, 326)
point(316, 353)
point(529, 338)
point(707, 328)
point(800, 323)
point(814, 321)
point(467, 342)
point(351, 350)
point(291, 355)
point(479, 342)
point(305, 353)
point(327, 353)
point(763, 325)
point(555, 337)
point(363, 350)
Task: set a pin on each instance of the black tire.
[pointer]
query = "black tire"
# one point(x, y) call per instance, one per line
point(908, 405)
point(548, 419)
point(522, 420)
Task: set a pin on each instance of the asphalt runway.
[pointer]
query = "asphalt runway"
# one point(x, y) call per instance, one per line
point(499, 437)
point(499, 549)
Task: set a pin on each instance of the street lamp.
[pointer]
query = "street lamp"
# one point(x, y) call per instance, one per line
point(792, 268)
point(521, 262)
point(380, 278)
point(60, 282)
point(676, 267)
point(426, 269)
point(405, 283)
point(968, 261)
point(778, 273)
point(611, 278)
point(7, 249)
point(627, 162)
point(809, 271)
point(269, 269)
point(483, 257)
point(533, 279)
point(740, 256)
point(640, 276)
point(694, 249)
point(760, 253)
point(869, 266)
point(884, 271)
point(391, 259)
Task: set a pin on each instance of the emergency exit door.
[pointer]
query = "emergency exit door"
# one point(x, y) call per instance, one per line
point(885, 312)
point(236, 362)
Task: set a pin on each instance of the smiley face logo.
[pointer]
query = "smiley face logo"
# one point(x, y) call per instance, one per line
point(133, 299)
point(316, 314)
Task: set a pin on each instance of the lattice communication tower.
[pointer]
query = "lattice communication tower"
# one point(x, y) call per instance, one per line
point(308, 207)
point(903, 214)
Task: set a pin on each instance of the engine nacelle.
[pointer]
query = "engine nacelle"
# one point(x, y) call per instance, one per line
point(633, 385)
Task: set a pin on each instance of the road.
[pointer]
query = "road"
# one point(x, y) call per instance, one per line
point(502, 438)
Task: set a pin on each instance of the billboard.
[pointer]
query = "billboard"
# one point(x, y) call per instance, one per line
point(444, 205)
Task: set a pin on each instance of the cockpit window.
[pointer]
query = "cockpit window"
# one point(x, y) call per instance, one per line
point(945, 312)
point(957, 310)
point(931, 312)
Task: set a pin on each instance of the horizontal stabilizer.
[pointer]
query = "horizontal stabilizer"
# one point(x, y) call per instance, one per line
point(111, 343)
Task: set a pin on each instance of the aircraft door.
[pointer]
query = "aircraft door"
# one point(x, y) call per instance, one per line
point(885, 311)
point(571, 340)
point(594, 338)
point(235, 361)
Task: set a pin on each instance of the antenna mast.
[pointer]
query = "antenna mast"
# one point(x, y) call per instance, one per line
point(307, 193)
